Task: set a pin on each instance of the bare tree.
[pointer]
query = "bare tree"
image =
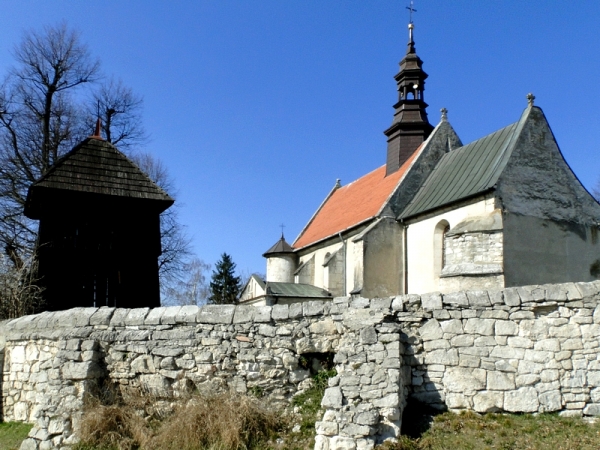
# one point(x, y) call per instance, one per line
point(38, 122)
point(191, 287)
point(174, 262)
point(19, 293)
point(120, 112)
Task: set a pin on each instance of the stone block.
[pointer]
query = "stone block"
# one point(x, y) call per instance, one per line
point(484, 327)
point(280, 312)
point(500, 381)
point(326, 428)
point(389, 401)
point(332, 398)
point(431, 330)
point(136, 316)
point(381, 303)
point(187, 314)
point(321, 442)
point(118, 317)
point(462, 379)
point(456, 298)
point(154, 316)
point(216, 314)
point(488, 401)
point(431, 301)
point(587, 289)
point(478, 298)
point(342, 443)
point(360, 303)
point(398, 303)
point(295, 310)
point(355, 319)
point(169, 315)
point(524, 399)
point(506, 328)
point(262, 314)
point(80, 317)
point(313, 308)
point(511, 297)
point(325, 327)
point(445, 357)
point(368, 335)
point(452, 326)
point(244, 314)
point(550, 401)
point(367, 417)
point(81, 370)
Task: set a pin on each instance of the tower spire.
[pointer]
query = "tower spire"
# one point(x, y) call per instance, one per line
point(410, 125)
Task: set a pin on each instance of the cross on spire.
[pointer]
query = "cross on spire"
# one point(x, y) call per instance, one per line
point(282, 226)
point(412, 10)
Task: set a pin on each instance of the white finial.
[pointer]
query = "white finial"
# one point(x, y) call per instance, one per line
point(530, 99)
point(444, 112)
point(338, 183)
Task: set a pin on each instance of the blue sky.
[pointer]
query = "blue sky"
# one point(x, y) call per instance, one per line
point(257, 107)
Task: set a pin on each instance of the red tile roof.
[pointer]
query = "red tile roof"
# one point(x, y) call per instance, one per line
point(352, 204)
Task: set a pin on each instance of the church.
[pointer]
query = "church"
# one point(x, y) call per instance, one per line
point(440, 216)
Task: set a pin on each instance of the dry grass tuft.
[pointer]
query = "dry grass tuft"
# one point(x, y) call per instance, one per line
point(225, 421)
point(112, 427)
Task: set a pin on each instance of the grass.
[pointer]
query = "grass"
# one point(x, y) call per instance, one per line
point(12, 434)
point(224, 421)
point(471, 431)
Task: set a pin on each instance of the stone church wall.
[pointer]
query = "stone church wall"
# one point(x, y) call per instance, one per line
point(526, 349)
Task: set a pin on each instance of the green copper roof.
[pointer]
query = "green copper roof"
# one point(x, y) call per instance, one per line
point(296, 290)
point(464, 172)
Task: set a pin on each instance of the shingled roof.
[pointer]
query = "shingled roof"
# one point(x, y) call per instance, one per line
point(97, 167)
point(465, 172)
point(280, 247)
point(353, 204)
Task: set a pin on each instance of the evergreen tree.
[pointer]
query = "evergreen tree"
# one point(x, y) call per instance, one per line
point(224, 285)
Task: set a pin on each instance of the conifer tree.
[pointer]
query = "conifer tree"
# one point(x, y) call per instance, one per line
point(224, 285)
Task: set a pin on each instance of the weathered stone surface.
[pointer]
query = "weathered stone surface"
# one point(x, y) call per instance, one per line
point(431, 301)
point(355, 319)
point(524, 399)
point(216, 314)
point(488, 401)
point(456, 298)
point(187, 314)
point(458, 379)
point(280, 312)
point(136, 316)
point(478, 298)
point(483, 327)
point(244, 314)
point(332, 398)
point(431, 330)
point(81, 370)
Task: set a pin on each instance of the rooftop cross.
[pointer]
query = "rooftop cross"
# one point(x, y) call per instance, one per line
point(530, 99)
point(412, 10)
point(282, 226)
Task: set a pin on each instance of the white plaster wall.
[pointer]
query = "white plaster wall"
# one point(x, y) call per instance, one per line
point(280, 269)
point(420, 243)
point(353, 260)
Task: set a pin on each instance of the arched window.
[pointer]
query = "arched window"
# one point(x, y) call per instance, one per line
point(439, 247)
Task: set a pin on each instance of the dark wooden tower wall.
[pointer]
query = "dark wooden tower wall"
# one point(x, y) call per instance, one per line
point(99, 233)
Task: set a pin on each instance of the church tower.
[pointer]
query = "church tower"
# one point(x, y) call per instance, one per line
point(410, 126)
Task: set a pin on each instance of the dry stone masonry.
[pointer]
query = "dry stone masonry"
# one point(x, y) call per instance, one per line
point(525, 349)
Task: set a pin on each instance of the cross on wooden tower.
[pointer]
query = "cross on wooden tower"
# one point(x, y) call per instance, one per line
point(412, 10)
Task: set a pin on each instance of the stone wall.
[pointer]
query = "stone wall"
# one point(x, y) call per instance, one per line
point(527, 349)
point(53, 360)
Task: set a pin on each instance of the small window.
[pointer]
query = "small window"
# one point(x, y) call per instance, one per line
point(439, 247)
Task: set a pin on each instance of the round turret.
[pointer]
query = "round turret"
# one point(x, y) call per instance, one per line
point(281, 262)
